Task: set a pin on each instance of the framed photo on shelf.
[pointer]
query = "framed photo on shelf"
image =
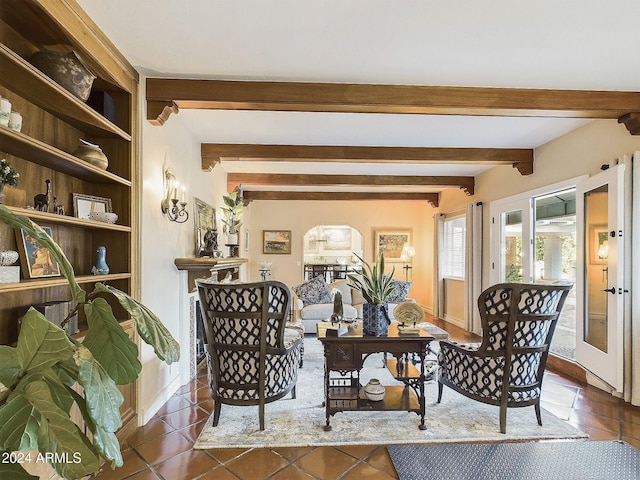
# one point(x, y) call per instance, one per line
point(36, 261)
point(276, 242)
point(205, 220)
point(390, 242)
point(83, 204)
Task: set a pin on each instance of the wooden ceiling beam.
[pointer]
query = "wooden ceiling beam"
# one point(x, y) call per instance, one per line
point(283, 179)
point(213, 153)
point(367, 98)
point(250, 195)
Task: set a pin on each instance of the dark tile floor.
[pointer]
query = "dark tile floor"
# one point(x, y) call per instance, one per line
point(162, 449)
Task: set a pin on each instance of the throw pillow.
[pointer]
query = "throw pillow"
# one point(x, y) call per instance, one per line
point(313, 292)
point(343, 287)
point(399, 292)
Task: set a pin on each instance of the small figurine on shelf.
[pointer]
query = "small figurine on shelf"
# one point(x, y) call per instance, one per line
point(57, 209)
point(41, 200)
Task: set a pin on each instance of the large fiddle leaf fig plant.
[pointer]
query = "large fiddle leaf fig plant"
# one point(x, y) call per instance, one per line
point(47, 372)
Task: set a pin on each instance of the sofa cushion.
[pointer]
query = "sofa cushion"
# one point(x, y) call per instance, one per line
point(399, 292)
point(324, 311)
point(343, 287)
point(313, 292)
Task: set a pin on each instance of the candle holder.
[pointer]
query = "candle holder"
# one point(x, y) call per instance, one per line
point(174, 209)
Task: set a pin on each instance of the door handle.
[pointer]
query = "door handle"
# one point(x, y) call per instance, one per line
point(610, 290)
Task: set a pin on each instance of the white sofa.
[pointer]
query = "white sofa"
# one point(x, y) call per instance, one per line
point(352, 302)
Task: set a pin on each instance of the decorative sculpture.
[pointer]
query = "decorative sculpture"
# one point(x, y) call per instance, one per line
point(338, 310)
point(57, 209)
point(41, 200)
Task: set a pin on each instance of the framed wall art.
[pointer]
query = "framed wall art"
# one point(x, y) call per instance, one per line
point(599, 245)
point(390, 242)
point(36, 261)
point(83, 204)
point(276, 241)
point(205, 221)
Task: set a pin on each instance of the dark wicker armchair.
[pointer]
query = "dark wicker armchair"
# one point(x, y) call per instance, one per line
point(506, 369)
point(252, 358)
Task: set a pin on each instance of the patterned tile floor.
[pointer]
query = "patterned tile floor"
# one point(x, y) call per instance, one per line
point(162, 449)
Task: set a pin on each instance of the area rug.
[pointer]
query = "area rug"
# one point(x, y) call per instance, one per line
point(567, 460)
point(299, 422)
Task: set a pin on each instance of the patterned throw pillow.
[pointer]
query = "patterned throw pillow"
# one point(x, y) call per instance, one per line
point(399, 292)
point(313, 292)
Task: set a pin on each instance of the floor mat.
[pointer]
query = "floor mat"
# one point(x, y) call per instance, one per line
point(568, 460)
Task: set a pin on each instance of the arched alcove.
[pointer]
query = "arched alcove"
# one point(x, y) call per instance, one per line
point(331, 249)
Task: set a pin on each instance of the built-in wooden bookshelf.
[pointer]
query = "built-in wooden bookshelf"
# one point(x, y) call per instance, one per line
point(54, 121)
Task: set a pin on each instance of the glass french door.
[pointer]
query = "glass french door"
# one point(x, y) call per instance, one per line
point(600, 275)
point(510, 248)
point(534, 241)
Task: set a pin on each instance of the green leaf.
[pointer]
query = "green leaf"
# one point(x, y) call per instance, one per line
point(15, 422)
point(67, 371)
point(9, 365)
point(14, 471)
point(58, 391)
point(37, 233)
point(107, 444)
point(41, 344)
point(149, 327)
point(110, 344)
point(103, 399)
point(58, 434)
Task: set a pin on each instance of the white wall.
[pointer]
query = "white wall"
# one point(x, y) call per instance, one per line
point(162, 241)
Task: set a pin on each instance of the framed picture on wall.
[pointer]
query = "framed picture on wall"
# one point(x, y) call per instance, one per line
point(36, 261)
point(205, 225)
point(599, 245)
point(276, 242)
point(390, 242)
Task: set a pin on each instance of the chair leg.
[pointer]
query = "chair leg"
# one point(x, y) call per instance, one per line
point(440, 385)
point(293, 392)
point(503, 419)
point(538, 416)
point(261, 415)
point(216, 412)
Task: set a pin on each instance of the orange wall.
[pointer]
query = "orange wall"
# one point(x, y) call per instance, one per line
point(365, 216)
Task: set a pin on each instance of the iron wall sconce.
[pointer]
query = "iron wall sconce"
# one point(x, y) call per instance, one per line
point(174, 209)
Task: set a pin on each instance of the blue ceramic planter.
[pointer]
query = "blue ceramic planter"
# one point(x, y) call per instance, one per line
point(375, 319)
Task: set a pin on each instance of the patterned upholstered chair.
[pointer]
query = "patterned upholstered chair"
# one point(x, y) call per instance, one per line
point(506, 369)
point(252, 358)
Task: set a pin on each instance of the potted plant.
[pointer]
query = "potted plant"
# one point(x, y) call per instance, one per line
point(232, 211)
point(8, 176)
point(48, 372)
point(376, 288)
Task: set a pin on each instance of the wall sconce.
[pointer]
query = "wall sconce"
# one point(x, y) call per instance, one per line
point(408, 252)
point(174, 209)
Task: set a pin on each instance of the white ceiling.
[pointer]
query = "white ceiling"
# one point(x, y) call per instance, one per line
point(573, 44)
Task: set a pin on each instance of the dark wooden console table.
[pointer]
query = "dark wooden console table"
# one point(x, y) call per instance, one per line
point(344, 356)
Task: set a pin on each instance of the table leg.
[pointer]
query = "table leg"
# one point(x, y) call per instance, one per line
point(327, 401)
point(423, 356)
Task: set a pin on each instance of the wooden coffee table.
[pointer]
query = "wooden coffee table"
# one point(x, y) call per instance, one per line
point(343, 359)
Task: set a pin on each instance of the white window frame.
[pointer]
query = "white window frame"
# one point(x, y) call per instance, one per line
point(447, 253)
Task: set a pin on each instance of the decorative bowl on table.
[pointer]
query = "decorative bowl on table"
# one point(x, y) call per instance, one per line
point(104, 217)
point(266, 264)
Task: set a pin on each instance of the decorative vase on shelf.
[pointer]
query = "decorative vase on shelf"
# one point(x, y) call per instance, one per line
point(101, 267)
point(67, 69)
point(92, 154)
point(374, 390)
